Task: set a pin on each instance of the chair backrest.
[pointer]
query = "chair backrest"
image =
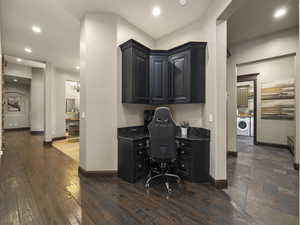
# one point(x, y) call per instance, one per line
point(162, 132)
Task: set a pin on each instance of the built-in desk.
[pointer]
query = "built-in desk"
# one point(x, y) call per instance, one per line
point(192, 159)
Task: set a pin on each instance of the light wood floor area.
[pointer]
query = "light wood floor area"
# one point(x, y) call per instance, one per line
point(69, 146)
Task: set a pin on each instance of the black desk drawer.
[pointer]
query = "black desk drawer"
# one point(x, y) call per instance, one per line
point(140, 153)
point(140, 144)
point(184, 144)
point(184, 167)
point(184, 152)
point(140, 168)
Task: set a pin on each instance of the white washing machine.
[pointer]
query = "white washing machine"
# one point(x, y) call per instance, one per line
point(244, 126)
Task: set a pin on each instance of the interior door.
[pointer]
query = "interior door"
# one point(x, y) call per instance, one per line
point(179, 77)
point(242, 96)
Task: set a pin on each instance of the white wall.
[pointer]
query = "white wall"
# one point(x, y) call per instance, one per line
point(37, 100)
point(99, 87)
point(18, 70)
point(206, 29)
point(17, 119)
point(49, 100)
point(102, 118)
point(61, 77)
point(276, 69)
point(279, 44)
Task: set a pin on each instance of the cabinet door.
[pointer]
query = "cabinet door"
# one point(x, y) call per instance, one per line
point(158, 79)
point(242, 94)
point(179, 77)
point(140, 76)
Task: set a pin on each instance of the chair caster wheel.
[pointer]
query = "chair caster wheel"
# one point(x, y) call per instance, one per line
point(147, 186)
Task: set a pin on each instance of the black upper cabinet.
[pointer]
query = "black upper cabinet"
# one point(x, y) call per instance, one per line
point(140, 77)
point(179, 77)
point(158, 78)
point(135, 73)
point(175, 76)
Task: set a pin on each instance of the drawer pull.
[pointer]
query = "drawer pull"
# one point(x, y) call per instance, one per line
point(182, 165)
point(182, 152)
point(140, 166)
point(140, 152)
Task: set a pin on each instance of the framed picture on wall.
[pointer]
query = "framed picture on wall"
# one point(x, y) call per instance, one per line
point(14, 103)
point(278, 100)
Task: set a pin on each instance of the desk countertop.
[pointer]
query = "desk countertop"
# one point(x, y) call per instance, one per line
point(139, 133)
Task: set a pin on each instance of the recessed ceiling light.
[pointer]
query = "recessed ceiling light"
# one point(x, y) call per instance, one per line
point(19, 60)
point(280, 12)
point(28, 50)
point(183, 2)
point(156, 11)
point(15, 80)
point(77, 67)
point(36, 29)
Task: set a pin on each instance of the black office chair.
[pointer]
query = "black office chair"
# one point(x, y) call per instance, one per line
point(163, 146)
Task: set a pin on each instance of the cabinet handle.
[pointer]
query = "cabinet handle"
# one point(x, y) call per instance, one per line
point(182, 165)
point(182, 152)
point(140, 166)
point(140, 144)
point(140, 152)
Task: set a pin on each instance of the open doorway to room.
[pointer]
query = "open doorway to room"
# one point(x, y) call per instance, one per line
point(16, 103)
point(72, 109)
point(247, 108)
point(269, 113)
point(23, 91)
point(71, 144)
point(262, 86)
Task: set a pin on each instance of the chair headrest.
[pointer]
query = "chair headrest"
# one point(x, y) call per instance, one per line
point(163, 115)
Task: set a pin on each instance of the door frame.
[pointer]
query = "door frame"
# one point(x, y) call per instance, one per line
point(251, 77)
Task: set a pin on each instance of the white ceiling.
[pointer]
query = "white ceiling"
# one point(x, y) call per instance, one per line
point(59, 42)
point(24, 62)
point(138, 12)
point(60, 21)
point(20, 80)
point(255, 18)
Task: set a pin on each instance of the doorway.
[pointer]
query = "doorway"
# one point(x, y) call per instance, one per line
point(71, 143)
point(247, 106)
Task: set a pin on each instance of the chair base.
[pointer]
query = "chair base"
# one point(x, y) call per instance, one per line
point(165, 177)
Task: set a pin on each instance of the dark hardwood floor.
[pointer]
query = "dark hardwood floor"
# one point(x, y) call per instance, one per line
point(263, 182)
point(40, 185)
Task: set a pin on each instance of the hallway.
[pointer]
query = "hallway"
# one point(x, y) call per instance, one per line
point(263, 182)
